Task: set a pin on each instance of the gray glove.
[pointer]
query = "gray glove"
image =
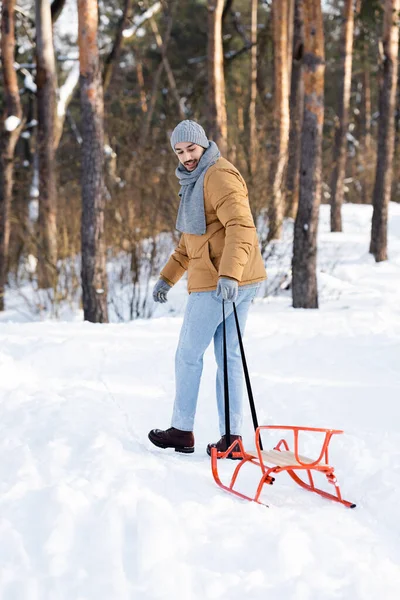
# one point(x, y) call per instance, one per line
point(228, 289)
point(160, 291)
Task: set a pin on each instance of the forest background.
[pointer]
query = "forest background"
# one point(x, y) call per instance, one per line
point(301, 95)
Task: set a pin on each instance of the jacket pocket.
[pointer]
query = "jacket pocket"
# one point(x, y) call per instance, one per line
point(207, 259)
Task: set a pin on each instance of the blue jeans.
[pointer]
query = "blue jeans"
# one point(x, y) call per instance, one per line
point(203, 322)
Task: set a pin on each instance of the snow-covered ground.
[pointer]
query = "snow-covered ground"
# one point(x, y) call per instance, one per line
point(90, 510)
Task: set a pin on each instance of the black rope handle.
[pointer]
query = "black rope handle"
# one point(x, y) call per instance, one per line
point(226, 385)
point(246, 376)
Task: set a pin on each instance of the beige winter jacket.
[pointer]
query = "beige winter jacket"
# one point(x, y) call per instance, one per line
point(229, 247)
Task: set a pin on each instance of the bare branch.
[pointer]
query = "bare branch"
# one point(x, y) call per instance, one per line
point(56, 9)
point(231, 55)
point(139, 20)
point(21, 12)
point(167, 66)
point(144, 134)
point(227, 8)
point(116, 49)
point(65, 95)
point(239, 27)
point(74, 127)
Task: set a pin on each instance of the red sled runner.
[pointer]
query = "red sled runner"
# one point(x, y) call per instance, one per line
point(281, 458)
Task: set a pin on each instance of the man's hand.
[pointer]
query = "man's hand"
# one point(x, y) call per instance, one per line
point(160, 291)
point(228, 289)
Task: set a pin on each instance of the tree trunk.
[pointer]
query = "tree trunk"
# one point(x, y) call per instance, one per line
point(304, 263)
point(140, 80)
point(340, 145)
point(280, 139)
point(252, 144)
point(94, 277)
point(217, 119)
point(9, 136)
point(296, 113)
point(387, 100)
point(290, 34)
point(146, 123)
point(366, 156)
point(46, 104)
point(20, 239)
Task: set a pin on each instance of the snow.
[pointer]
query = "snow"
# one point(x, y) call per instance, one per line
point(11, 123)
point(109, 151)
point(138, 20)
point(66, 28)
point(29, 83)
point(31, 123)
point(66, 91)
point(31, 263)
point(33, 206)
point(89, 509)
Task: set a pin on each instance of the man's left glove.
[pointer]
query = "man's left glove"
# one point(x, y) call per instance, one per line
point(228, 289)
point(160, 291)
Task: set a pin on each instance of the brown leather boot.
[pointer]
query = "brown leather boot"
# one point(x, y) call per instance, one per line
point(221, 446)
point(181, 441)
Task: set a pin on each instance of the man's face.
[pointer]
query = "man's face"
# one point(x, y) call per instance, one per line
point(189, 154)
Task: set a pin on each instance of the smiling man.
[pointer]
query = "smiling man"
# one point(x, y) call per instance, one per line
point(219, 249)
point(189, 154)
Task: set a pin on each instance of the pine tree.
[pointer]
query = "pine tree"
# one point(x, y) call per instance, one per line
point(94, 278)
point(304, 263)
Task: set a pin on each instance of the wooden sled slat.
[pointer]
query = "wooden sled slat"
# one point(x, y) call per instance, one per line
point(284, 458)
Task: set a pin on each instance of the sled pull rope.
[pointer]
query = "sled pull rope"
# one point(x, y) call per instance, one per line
point(246, 376)
point(226, 385)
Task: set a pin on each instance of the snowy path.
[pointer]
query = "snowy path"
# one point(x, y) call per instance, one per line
point(90, 510)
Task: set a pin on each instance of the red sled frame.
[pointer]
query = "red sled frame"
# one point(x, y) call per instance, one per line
point(281, 459)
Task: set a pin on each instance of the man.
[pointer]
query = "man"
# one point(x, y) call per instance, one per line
point(220, 251)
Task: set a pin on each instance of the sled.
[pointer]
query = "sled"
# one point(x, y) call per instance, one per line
point(281, 458)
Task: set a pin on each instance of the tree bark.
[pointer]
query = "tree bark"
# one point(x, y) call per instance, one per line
point(387, 100)
point(296, 113)
point(340, 145)
point(145, 129)
point(290, 35)
point(9, 134)
point(217, 118)
point(140, 80)
point(94, 277)
point(366, 156)
point(19, 231)
point(46, 82)
point(304, 262)
point(252, 144)
point(280, 140)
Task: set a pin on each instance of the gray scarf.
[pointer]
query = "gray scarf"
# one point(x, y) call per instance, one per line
point(191, 217)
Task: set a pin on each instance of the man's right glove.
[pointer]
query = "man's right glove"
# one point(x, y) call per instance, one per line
point(160, 291)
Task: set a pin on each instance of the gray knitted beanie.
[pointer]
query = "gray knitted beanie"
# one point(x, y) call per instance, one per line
point(189, 131)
